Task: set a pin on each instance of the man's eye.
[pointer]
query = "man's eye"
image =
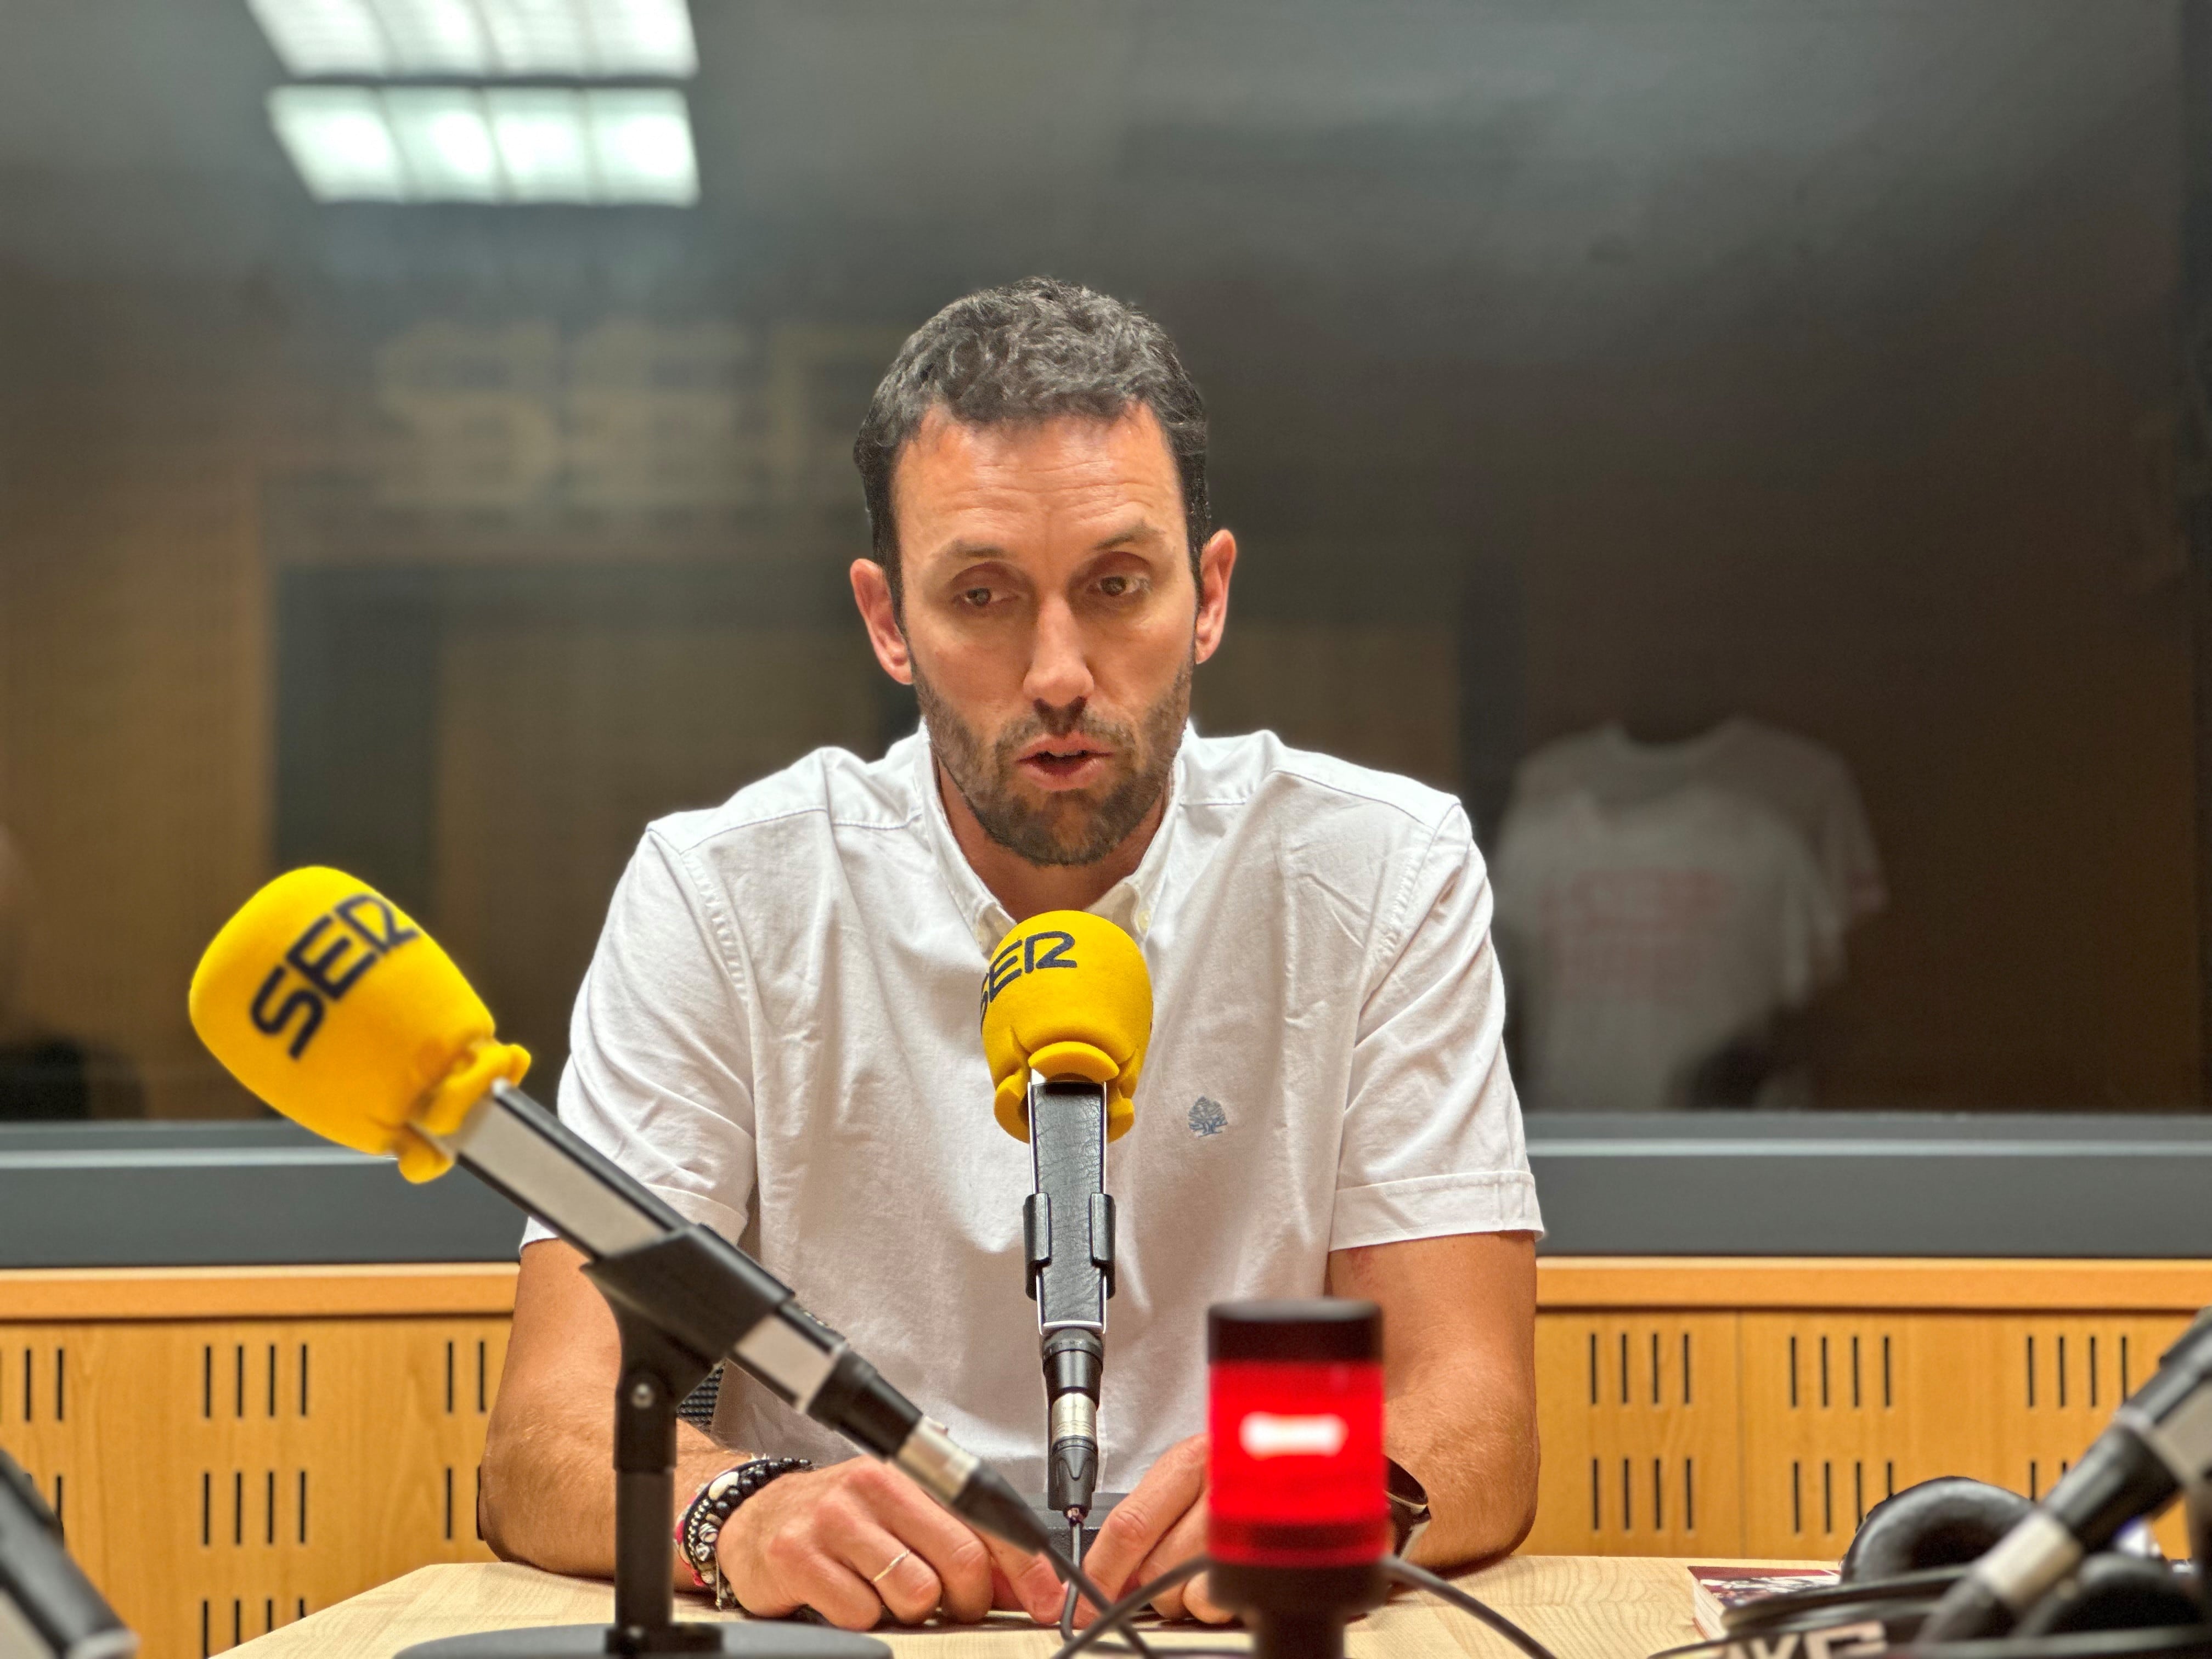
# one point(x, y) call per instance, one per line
point(1114, 587)
point(976, 597)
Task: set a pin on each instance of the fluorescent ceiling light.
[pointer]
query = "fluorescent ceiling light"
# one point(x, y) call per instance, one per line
point(446, 143)
point(504, 145)
point(539, 37)
point(544, 148)
point(641, 142)
point(340, 142)
point(583, 40)
point(324, 37)
point(654, 36)
point(434, 37)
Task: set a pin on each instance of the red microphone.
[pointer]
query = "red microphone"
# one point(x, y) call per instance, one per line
point(1299, 1515)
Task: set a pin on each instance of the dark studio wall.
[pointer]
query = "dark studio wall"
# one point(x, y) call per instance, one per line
point(1660, 363)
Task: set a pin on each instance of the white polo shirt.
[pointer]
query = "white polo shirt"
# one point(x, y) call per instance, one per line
point(778, 1034)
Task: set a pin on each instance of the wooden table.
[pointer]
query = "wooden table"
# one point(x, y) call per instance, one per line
point(1582, 1606)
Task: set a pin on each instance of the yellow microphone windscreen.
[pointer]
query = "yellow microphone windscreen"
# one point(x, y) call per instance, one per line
point(1065, 994)
point(327, 1000)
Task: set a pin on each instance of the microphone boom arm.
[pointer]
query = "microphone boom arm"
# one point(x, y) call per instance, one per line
point(713, 1299)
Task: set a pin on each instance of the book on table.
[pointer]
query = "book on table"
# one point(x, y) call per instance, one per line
point(1716, 1591)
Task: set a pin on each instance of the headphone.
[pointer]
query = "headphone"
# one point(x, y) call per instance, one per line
point(1912, 1547)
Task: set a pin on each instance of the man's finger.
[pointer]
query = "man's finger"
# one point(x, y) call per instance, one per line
point(1185, 1539)
point(1035, 1586)
point(903, 1580)
point(840, 1594)
point(1197, 1601)
point(859, 1548)
point(1170, 1489)
point(955, 1555)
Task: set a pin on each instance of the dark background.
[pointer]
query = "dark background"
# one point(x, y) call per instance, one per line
point(1816, 360)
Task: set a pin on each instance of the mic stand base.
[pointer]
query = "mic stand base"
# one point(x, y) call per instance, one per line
point(765, 1639)
point(657, 1372)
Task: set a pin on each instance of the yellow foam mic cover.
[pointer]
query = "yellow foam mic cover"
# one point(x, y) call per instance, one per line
point(327, 1000)
point(1065, 994)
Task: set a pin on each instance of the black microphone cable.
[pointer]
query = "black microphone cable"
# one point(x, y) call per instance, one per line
point(1127, 1640)
point(1116, 1617)
point(1078, 1583)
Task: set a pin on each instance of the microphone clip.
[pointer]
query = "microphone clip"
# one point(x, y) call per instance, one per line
point(1068, 1245)
point(1037, 1238)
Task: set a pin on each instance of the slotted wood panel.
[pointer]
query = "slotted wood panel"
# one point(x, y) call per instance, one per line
point(1838, 1405)
point(1701, 1408)
point(1640, 1440)
point(1997, 1396)
point(2065, 1376)
point(1941, 1369)
point(219, 1479)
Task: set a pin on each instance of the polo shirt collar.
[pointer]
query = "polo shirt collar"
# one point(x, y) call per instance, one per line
point(1129, 903)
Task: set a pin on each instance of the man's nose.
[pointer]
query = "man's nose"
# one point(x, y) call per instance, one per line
point(1060, 668)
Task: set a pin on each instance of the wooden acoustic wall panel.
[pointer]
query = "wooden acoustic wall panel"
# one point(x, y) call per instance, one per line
point(1842, 1409)
point(1638, 1416)
point(221, 1478)
point(2063, 1375)
point(229, 1448)
point(1832, 1404)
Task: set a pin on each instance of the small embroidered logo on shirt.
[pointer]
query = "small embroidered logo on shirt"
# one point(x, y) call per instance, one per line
point(1206, 1118)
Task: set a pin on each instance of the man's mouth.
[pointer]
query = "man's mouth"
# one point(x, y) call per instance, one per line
point(1062, 762)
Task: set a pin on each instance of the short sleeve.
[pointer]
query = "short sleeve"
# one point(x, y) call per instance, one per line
point(1848, 857)
point(1513, 881)
point(1810, 944)
point(659, 1060)
point(1432, 1139)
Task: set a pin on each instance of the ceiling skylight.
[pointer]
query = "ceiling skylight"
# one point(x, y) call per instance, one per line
point(501, 144)
point(577, 40)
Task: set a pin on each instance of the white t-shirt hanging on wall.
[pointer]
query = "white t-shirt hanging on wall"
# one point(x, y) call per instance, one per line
point(1640, 940)
point(1807, 783)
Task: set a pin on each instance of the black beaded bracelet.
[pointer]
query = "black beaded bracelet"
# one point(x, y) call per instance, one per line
point(700, 1529)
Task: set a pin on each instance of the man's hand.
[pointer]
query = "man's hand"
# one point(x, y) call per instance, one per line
point(1459, 1316)
point(1160, 1525)
point(823, 1539)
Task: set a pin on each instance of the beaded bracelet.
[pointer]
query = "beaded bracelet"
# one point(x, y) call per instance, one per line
point(700, 1528)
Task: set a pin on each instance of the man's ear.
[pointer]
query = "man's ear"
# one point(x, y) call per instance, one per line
point(1217, 561)
point(872, 592)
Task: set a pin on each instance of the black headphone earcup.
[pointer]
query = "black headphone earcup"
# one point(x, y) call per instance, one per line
point(2115, 1592)
point(1938, 1523)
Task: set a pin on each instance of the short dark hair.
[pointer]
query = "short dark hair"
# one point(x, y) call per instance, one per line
point(1031, 351)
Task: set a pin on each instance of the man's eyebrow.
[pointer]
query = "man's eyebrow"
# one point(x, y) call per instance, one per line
point(1142, 531)
point(963, 551)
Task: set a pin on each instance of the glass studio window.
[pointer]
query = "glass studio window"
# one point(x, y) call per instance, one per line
point(1733, 448)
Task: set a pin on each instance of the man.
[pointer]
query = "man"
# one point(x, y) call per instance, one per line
point(779, 1030)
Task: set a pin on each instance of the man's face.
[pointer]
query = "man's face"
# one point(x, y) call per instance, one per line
point(1050, 621)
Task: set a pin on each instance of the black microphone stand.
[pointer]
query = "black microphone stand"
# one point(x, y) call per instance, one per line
point(657, 1372)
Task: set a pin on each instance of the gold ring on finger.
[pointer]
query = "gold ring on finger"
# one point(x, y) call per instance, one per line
point(889, 1565)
